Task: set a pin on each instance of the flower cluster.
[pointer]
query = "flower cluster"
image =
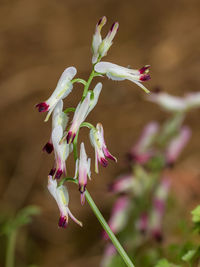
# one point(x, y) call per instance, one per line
point(63, 139)
point(138, 213)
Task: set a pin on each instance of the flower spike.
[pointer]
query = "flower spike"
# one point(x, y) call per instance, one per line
point(84, 171)
point(101, 151)
point(99, 47)
point(61, 150)
point(63, 89)
point(82, 110)
point(118, 73)
point(97, 39)
point(61, 196)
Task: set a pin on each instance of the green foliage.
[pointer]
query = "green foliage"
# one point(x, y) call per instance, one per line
point(22, 217)
point(166, 263)
point(196, 218)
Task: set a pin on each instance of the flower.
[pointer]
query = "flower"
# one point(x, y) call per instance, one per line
point(97, 39)
point(118, 73)
point(99, 47)
point(82, 110)
point(168, 102)
point(61, 149)
point(61, 196)
point(177, 144)
point(141, 151)
point(83, 171)
point(157, 213)
point(119, 216)
point(58, 118)
point(123, 184)
point(63, 88)
point(101, 151)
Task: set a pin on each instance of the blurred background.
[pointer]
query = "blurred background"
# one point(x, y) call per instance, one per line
point(39, 39)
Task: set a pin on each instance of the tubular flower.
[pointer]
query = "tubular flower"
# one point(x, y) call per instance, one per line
point(99, 47)
point(61, 150)
point(158, 210)
point(168, 102)
point(82, 110)
point(118, 73)
point(141, 152)
point(61, 197)
point(63, 88)
point(119, 216)
point(101, 151)
point(122, 184)
point(177, 144)
point(83, 170)
point(58, 118)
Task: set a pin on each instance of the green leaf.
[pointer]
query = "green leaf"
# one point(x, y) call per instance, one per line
point(165, 263)
point(189, 255)
point(196, 214)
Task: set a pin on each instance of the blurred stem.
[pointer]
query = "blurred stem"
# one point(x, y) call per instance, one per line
point(105, 226)
point(10, 250)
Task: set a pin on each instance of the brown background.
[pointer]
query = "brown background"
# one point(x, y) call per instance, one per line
point(41, 38)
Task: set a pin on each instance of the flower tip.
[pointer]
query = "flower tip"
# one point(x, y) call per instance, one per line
point(102, 21)
point(62, 222)
point(114, 27)
point(103, 162)
point(42, 107)
point(144, 69)
point(58, 174)
point(145, 77)
point(82, 199)
point(48, 148)
point(70, 137)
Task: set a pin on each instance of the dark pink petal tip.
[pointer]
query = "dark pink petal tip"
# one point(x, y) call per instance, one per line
point(62, 222)
point(70, 137)
point(58, 174)
point(42, 107)
point(48, 147)
point(113, 25)
point(52, 172)
point(157, 235)
point(103, 162)
point(145, 77)
point(82, 188)
point(144, 69)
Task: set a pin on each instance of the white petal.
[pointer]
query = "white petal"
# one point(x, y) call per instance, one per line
point(67, 75)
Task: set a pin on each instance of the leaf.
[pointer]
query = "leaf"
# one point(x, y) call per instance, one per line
point(189, 255)
point(196, 214)
point(165, 263)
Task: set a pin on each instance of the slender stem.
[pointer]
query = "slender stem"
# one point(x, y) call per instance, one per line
point(106, 227)
point(88, 84)
point(10, 251)
point(104, 224)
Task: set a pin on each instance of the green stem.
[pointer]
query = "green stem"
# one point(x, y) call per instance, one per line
point(105, 226)
point(10, 251)
point(88, 84)
point(78, 80)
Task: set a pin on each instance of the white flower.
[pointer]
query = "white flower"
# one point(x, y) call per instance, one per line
point(118, 73)
point(63, 88)
point(61, 196)
point(82, 110)
point(177, 144)
point(101, 151)
point(168, 102)
point(99, 47)
point(83, 171)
